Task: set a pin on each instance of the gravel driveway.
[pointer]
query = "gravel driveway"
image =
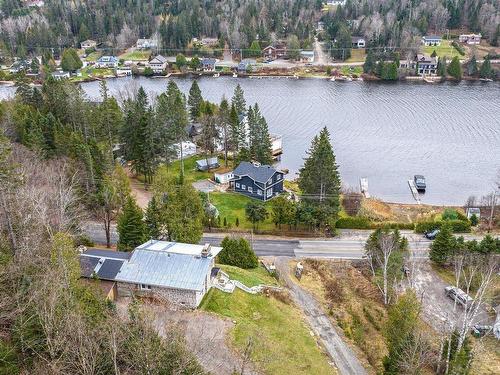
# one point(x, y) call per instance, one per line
point(346, 361)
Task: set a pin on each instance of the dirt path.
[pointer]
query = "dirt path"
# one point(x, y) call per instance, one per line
point(346, 361)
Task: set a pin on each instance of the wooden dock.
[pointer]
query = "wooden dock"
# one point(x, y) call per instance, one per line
point(363, 187)
point(414, 191)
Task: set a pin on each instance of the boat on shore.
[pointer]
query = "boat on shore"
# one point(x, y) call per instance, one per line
point(216, 75)
point(235, 75)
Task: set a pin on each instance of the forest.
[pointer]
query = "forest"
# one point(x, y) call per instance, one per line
point(117, 24)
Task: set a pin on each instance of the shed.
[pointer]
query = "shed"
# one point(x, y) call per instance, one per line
point(202, 164)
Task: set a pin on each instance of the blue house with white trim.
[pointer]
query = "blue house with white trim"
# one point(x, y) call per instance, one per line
point(257, 181)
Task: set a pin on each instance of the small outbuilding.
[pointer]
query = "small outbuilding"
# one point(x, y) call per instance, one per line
point(206, 164)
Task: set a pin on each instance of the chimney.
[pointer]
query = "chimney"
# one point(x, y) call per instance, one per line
point(205, 252)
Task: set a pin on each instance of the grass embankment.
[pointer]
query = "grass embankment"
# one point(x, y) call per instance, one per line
point(354, 304)
point(252, 277)
point(281, 340)
point(92, 57)
point(357, 55)
point(445, 49)
point(136, 55)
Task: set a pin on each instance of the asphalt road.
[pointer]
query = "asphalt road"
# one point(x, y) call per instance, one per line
point(350, 245)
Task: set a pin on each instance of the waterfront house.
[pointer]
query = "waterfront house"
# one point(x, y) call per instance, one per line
point(59, 74)
point(431, 40)
point(273, 52)
point(245, 65)
point(209, 42)
point(358, 42)
point(257, 181)
point(124, 72)
point(470, 38)
point(89, 43)
point(202, 164)
point(208, 64)
point(146, 44)
point(178, 273)
point(158, 64)
point(107, 62)
point(20, 66)
point(426, 65)
point(307, 56)
point(223, 176)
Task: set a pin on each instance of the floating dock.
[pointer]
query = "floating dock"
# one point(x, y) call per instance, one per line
point(414, 191)
point(363, 187)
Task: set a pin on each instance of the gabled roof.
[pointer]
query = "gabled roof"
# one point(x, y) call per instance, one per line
point(103, 264)
point(356, 39)
point(259, 173)
point(432, 37)
point(159, 59)
point(107, 59)
point(203, 162)
point(208, 61)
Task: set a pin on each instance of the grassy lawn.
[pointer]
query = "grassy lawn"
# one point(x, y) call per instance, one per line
point(136, 55)
point(252, 277)
point(93, 56)
point(282, 343)
point(232, 206)
point(190, 172)
point(445, 49)
point(348, 70)
point(357, 55)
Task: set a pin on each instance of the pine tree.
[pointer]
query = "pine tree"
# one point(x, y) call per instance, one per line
point(486, 71)
point(260, 141)
point(131, 227)
point(154, 219)
point(454, 69)
point(441, 67)
point(237, 252)
point(443, 245)
point(370, 63)
point(319, 179)
point(238, 100)
point(224, 119)
point(70, 60)
point(195, 101)
point(472, 67)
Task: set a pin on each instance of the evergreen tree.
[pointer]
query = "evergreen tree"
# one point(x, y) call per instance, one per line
point(70, 60)
point(486, 71)
point(433, 54)
point(238, 100)
point(195, 63)
point(454, 69)
point(441, 67)
point(224, 120)
point(195, 101)
point(256, 212)
point(210, 135)
point(131, 227)
point(319, 179)
point(237, 252)
point(180, 60)
point(155, 222)
point(260, 145)
point(370, 63)
point(472, 67)
point(255, 50)
point(443, 245)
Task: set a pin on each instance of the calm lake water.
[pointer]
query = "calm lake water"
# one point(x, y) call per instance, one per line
point(450, 133)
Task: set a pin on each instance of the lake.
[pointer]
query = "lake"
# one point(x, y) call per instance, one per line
point(387, 133)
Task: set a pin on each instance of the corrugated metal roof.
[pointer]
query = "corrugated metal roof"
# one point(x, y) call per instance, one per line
point(107, 253)
point(109, 269)
point(177, 247)
point(165, 269)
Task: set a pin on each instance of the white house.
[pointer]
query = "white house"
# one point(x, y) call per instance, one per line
point(89, 43)
point(358, 42)
point(107, 62)
point(124, 71)
point(470, 38)
point(223, 177)
point(188, 149)
point(426, 65)
point(158, 64)
point(146, 44)
point(431, 40)
point(58, 75)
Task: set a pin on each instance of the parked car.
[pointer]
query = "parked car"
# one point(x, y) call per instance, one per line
point(458, 295)
point(432, 234)
point(481, 330)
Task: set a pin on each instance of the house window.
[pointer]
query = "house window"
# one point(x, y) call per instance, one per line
point(250, 189)
point(259, 192)
point(278, 177)
point(269, 192)
point(145, 287)
point(243, 187)
point(237, 185)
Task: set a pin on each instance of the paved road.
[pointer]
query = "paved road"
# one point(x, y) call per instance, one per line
point(350, 245)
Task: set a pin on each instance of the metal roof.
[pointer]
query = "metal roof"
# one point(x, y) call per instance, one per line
point(261, 173)
point(177, 247)
point(165, 269)
point(109, 269)
point(107, 253)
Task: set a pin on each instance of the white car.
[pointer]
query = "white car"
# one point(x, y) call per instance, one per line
point(458, 295)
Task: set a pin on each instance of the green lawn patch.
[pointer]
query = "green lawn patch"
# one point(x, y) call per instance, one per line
point(445, 49)
point(136, 55)
point(93, 56)
point(349, 70)
point(232, 206)
point(190, 172)
point(282, 340)
point(357, 55)
point(251, 277)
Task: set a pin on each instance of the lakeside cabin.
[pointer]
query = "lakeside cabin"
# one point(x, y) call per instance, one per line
point(178, 273)
point(426, 65)
point(158, 64)
point(257, 181)
point(208, 64)
point(307, 56)
point(107, 62)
